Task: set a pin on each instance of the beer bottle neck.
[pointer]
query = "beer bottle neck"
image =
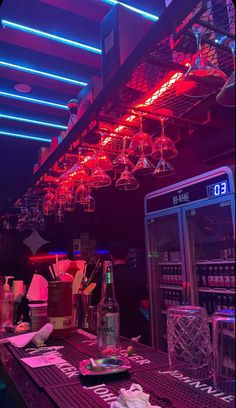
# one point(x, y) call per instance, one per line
point(108, 291)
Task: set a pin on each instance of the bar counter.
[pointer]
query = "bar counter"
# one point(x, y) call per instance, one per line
point(62, 386)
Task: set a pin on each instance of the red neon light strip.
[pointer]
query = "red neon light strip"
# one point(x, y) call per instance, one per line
point(41, 257)
point(157, 94)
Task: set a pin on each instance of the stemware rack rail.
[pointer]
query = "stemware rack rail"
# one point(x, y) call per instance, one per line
point(156, 65)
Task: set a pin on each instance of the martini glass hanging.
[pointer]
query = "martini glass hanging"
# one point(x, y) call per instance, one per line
point(122, 161)
point(226, 97)
point(100, 159)
point(99, 179)
point(143, 167)
point(127, 181)
point(202, 78)
point(164, 168)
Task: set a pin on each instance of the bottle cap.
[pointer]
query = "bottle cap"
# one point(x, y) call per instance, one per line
point(6, 285)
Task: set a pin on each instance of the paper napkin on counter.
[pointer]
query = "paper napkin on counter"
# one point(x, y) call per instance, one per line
point(43, 361)
point(133, 398)
point(37, 337)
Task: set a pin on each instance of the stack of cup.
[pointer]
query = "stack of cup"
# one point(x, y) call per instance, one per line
point(38, 312)
point(224, 350)
point(189, 343)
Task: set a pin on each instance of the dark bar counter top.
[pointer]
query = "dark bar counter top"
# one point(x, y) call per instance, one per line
point(62, 386)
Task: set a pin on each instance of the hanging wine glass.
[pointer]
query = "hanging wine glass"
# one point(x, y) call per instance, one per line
point(202, 78)
point(163, 144)
point(81, 194)
point(122, 161)
point(78, 173)
point(226, 97)
point(59, 215)
point(89, 205)
point(27, 216)
point(63, 194)
point(127, 181)
point(42, 225)
point(141, 143)
point(69, 205)
point(49, 204)
point(20, 224)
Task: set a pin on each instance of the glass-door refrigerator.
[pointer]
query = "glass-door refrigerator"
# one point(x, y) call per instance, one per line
point(190, 247)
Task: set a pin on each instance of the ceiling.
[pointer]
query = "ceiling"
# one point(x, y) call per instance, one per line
point(54, 72)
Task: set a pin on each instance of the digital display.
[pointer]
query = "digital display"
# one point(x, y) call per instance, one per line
point(206, 189)
point(217, 189)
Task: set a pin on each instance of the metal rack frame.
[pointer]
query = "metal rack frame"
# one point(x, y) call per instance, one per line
point(162, 51)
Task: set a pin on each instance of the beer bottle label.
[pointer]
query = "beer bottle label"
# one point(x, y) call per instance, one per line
point(108, 330)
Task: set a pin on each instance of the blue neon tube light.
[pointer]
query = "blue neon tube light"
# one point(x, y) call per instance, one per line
point(67, 41)
point(27, 99)
point(20, 136)
point(134, 9)
point(98, 252)
point(42, 73)
point(36, 122)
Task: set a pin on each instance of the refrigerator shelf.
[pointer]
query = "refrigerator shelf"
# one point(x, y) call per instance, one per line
point(210, 320)
point(229, 364)
point(170, 263)
point(216, 261)
point(221, 290)
point(175, 287)
point(229, 333)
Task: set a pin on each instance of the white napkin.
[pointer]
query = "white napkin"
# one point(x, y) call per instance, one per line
point(37, 337)
point(133, 398)
point(38, 289)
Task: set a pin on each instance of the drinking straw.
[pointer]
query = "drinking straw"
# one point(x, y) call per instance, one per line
point(57, 266)
point(89, 289)
point(52, 272)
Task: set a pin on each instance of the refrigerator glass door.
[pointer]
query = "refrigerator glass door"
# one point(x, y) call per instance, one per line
point(165, 268)
point(210, 253)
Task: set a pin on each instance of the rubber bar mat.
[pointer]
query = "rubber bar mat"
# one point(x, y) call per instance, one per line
point(83, 342)
point(142, 358)
point(100, 395)
point(188, 392)
point(54, 374)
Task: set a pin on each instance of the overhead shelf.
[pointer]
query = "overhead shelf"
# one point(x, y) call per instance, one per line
point(149, 82)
